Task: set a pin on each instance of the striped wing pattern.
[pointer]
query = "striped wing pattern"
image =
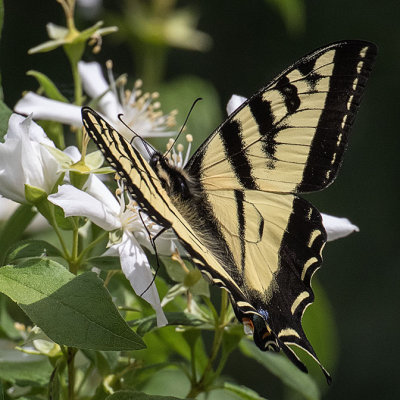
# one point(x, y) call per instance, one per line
point(290, 136)
point(146, 189)
point(256, 237)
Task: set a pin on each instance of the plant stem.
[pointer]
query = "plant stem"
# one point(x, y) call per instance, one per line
point(74, 264)
point(71, 372)
point(209, 375)
point(53, 223)
point(91, 245)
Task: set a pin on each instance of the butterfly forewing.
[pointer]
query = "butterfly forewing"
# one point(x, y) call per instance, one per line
point(145, 187)
point(290, 136)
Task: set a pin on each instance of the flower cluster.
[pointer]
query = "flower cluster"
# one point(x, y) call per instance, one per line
point(44, 166)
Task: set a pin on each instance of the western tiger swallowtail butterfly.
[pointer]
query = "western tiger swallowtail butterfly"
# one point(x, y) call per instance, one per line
point(236, 207)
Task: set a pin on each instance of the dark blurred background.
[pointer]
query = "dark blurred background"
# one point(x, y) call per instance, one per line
point(252, 41)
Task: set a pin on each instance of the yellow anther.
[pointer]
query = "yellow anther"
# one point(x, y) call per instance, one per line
point(109, 64)
point(138, 83)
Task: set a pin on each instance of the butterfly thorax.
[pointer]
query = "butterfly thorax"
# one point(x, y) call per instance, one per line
point(174, 180)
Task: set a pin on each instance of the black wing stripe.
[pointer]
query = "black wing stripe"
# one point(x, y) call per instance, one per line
point(352, 66)
point(230, 135)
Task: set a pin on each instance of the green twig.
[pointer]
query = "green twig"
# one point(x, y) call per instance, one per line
point(71, 352)
point(53, 223)
point(209, 375)
point(90, 246)
point(74, 265)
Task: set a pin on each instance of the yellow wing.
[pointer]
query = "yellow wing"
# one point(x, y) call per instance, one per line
point(290, 136)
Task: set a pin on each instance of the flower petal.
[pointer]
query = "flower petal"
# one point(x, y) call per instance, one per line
point(77, 203)
point(137, 270)
point(95, 86)
point(24, 160)
point(100, 191)
point(73, 153)
point(56, 32)
point(12, 177)
point(43, 108)
point(337, 228)
point(234, 102)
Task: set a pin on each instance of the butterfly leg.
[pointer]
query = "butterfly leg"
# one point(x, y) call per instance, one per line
point(153, 245)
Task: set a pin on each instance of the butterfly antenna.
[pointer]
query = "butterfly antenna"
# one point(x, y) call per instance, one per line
point(153, 245)
point(184, 124)
point(136, 135)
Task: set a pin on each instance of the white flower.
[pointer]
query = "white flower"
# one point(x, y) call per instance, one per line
point(25, 161)
point(141, 111)
point(41, 107)
point(335, 227)
point(234, 102)
point(101, 207)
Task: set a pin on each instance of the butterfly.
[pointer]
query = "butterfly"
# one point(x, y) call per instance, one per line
point(235, 205)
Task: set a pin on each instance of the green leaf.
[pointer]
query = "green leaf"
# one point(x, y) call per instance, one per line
point(1, 385)
point(48, 86)
point(104, 361)
point(192, 280)
point(200, 288)
point(6, 322)
point(133, 395)
point(54, 131)
point(174, 318)
point(105, 263)
point(24, 369)
point(5, 114)
point(174, 269)
point(242, 391)
point(196, 344)
point(63, 222)
point(172, 381)
point(30, 248)
point(280, 366)
point(56, 300)
point(14, 228)
point(173, 292)
point(231, 339)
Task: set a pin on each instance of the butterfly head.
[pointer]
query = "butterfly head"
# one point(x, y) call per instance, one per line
point(173, 179)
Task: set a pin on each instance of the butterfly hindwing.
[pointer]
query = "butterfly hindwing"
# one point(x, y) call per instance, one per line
point(275, 242)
